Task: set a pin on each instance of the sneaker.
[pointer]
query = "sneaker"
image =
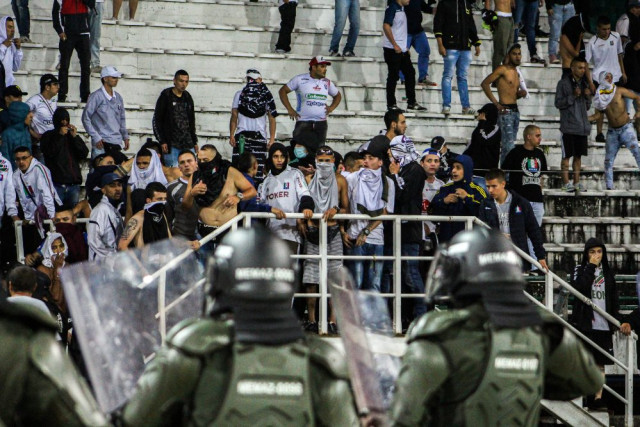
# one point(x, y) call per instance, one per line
point(333, 329)
point(96, 69)
point(469, 111)
point(540, 33)
point(392, 107)
point(580, 188)
point(25, 39)
point(416, 107)
point(281, 51)
point(553, 59)
point(537, 60)
point(568, 187)
point(333, 53)
point(446, 110)
point(348, 54)
point(427, 82)
point(311, 327)
point(598, 405)
point(600, 138)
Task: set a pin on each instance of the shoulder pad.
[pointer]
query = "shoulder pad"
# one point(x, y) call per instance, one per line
point(329, 357)
point(437, 322)
point(49, 358)
point(199, 337)
point(27, 314)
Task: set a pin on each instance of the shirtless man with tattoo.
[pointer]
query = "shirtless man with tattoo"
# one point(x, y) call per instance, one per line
point(136, 232)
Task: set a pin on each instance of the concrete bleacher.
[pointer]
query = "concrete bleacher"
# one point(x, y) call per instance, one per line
point(216, 41)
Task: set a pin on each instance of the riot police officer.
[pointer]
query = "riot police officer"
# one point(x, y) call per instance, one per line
point(493, 356)
point(256, 369)
point(38, 383)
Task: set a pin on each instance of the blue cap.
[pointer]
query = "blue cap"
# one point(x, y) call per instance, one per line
point(108, 178)
point(430, 151)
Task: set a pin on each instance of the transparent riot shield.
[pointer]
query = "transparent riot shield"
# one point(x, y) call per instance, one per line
point(372, 353)
point(122, 308)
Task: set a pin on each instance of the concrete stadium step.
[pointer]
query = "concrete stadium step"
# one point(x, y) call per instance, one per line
point(622, 258)
point(613, 230)
point(592, 176)
point(605, 203)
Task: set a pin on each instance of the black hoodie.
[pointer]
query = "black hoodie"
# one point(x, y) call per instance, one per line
point(484, 148)
point(63, 153)
point(583, 277)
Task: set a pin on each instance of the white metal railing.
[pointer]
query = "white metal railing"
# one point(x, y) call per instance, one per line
point(244, 220)
point(17, 225)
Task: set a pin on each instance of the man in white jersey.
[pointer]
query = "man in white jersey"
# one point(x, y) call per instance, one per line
point(312, 90)
point(43, 106)
point(286, 189)
point(605, 52)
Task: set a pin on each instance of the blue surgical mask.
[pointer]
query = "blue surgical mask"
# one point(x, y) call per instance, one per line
point(300, 152)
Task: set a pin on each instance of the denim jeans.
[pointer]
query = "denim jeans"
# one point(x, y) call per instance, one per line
point(616, 138)
point(21, 11)
point(170, 159)
point(367, 273)
point(412, 277)
point(461, 60)
point(538, 212)
point(508, 123)
point(561, 14)
point(526, 13)
point(69, 194)
point(421, 44)
point(95, 24)
point(344, 8)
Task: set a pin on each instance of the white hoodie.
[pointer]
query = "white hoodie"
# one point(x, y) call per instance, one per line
point(7, 190)
point(35, 188)
point(11, 56)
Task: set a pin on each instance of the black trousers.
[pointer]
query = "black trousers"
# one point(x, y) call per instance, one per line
point(397, 62)
point(287, 22)
point(82, 45)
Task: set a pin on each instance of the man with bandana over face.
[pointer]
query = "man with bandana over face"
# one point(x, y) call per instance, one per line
point(150, 224)
point(217, 188)
point(484, 147)
point(608, 99)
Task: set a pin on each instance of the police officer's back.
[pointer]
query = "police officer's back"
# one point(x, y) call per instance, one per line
point(492, 358)
point(38, 383)
point(257, 369)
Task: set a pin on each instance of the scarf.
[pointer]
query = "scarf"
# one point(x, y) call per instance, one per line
point(155, 226)
point(324, 188)
point(488, 127)
point(372, 192)
point(523, 85)
point(214, 175)
point(605, 92)
point(256, 100)
point(47, 252)
point(140, 178)
point(403, 150)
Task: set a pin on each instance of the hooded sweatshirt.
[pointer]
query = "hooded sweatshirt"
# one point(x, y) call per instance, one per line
point(589, 279)
point(463, 207)
point(17, 133)
point(11, 57)
point(63, 153)
point(7, 190)
point(484, 148)
point(35, 188)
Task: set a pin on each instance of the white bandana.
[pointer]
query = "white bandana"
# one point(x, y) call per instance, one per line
point(605, 92)
point(140, 178)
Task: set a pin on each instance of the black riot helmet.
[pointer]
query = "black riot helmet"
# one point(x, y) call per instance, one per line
point(252, 275)
point(482, 264)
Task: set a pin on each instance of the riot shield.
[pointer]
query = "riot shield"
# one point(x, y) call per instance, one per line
point(367, 335)
point(122, 308)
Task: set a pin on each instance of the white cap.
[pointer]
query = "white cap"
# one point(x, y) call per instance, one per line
point(110, 71)
point(254, 74)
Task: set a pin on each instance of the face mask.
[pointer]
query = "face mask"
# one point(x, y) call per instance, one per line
point(300, 152)
point(155, 208)
point(205, 167)
point(325, 170)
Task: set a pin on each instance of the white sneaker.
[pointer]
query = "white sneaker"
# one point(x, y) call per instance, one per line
point(568, 187)
point(446, 110)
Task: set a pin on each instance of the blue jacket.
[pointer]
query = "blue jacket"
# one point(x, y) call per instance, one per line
point(17, 133)
point(522, 224)
point(463, 207)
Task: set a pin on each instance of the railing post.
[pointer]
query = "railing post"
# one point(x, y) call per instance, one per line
point(628, 379)
point(397, 276)
point(324, 268)
point(548, 291)
point(162, 281)
point(468, 224)
point(19, 242)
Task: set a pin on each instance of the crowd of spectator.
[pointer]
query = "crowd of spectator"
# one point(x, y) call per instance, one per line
point(176, 187)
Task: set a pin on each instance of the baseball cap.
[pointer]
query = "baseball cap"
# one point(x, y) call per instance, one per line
point(437, 143)
point(430, 151)
point(254, 74)
point(634, 3)
point(376, 146)
point(108, 178)
point(110, 71)
point(319, 60)
point(13, 90)
point(47, 79)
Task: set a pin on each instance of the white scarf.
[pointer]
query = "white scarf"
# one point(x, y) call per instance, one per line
point(403, 150)
point(370, 192)
point(140, 178)
point(324, 188)
point(47, 252)
point(605, 92)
